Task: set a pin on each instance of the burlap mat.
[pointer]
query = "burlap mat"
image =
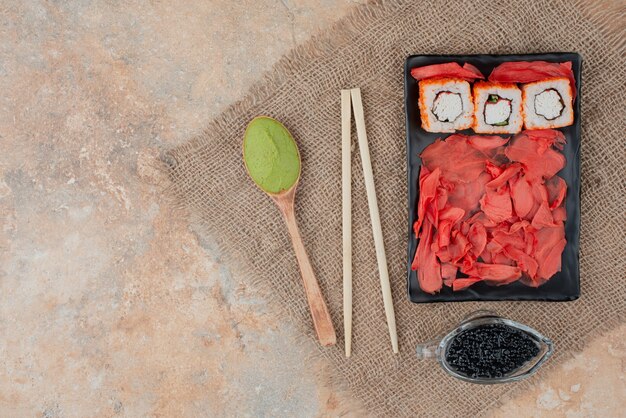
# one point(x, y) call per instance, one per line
point(368, 50)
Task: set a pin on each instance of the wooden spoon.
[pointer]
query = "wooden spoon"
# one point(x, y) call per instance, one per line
point(284, 199)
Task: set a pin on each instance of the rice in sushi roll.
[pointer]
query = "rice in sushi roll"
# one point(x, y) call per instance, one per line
point(445, 104)
point(548, 103)
point(497, 108)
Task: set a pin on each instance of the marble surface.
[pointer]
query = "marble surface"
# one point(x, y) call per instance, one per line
point(109, 304)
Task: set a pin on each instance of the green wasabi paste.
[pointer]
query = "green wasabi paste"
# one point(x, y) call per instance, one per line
point(271, 155)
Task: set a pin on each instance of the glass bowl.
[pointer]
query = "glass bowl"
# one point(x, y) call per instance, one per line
point(437, 348)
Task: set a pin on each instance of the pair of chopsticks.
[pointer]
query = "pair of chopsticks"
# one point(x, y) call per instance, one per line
point(346, 180)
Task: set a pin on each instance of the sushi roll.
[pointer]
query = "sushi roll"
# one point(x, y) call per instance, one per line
point(497, 108)
point(445, 104)
point(548, 103)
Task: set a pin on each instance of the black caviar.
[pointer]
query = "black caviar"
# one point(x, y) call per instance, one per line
point(490, 351)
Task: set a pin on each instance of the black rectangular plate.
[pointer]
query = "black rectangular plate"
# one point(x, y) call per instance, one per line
point(563, 286)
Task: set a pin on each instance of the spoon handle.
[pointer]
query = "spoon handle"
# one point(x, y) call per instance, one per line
point(321, 317)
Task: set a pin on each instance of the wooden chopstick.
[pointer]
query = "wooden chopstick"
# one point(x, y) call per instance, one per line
point(346, 199)
point(357, 107)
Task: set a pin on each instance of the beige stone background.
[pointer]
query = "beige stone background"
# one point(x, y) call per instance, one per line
point(109, 304)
